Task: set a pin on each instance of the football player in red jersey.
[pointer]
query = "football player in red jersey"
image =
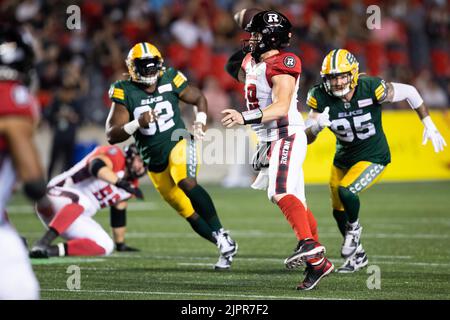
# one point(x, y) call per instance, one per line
point(107, 177)
point(18, 159)
point(271, 78)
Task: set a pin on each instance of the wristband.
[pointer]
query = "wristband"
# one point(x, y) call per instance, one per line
point(252, 116)
point(201, 117)
point(131, 127)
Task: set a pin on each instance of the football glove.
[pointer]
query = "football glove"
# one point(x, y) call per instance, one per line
point(430, 132)
point(260, 159)
point(321, 122)
point(199, 134)
point(125, 185)
point(199, 124)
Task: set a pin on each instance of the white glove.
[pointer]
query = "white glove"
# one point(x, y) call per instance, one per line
point(262, 180)
point(432, 133)
point(321, 122)
point(199, 123)
point(199, 134)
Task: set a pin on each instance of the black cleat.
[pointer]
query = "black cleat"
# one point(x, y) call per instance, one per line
point(39, 251)
point(306, 249)
point(122, 247)
point(314, 274)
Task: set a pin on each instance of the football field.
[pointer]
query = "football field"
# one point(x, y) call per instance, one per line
point(406, 236)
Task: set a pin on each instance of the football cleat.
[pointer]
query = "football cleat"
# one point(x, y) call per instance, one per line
point(313, 274)
point(42, 250)
point(224, 263)
point(355, 262)
point(39, 251)
point(227, 246)
point(351, 240)
point(306, 249)
point(122, 247)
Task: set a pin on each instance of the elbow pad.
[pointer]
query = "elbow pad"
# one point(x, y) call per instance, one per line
point(407, 92)
point(95, 166)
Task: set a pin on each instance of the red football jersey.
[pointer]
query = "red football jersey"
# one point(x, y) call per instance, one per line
point(16, 100)
point(258, 92)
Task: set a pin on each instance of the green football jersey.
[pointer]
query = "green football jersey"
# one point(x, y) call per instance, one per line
point(356, 124)
point(156, 141)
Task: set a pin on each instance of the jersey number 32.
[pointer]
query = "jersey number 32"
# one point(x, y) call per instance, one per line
point(165, 120)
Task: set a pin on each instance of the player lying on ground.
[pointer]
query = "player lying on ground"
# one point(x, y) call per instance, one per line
point(271, 78)
point(350, 105)
point(146, 107)
point(19, 158)
point(106, 177)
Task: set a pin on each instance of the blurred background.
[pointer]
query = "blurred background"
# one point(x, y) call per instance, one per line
point(75, 68)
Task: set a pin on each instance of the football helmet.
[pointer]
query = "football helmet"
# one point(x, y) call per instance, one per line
point(144, 63)
point(339, 66)
point(16, 54)
point(135, 167)
point(269, 30)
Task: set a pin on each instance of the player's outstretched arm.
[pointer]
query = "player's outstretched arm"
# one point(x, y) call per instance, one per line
point(194, 96)
point(315, 123)
point(101, 167)
point(282, 91)
point(397, 92)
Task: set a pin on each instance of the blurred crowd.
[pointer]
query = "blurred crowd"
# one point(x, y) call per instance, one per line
point(76, 67)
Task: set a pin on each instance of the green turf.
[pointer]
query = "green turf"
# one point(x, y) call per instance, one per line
point(406, 233)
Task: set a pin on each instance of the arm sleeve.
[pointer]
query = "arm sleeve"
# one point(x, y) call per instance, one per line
point(407, 92)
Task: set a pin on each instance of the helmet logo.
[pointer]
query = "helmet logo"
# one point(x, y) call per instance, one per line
point(289, 62)
point(272, 18)
point(350, 58)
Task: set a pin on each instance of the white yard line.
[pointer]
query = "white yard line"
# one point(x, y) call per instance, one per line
point(195, 264)
point(168, 293)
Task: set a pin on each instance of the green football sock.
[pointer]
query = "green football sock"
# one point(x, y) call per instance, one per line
point(351, 203)
point(341, 220)
point(203, 205)
point(201, 227)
